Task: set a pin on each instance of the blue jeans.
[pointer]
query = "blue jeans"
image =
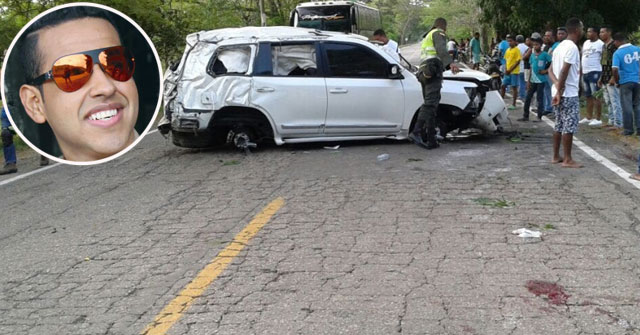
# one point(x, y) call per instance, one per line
point(547, 97)
point(522, 90)
point(8, 148)
point(590, 83)
point(538, 89)
point(612, 100)
point(630, 101)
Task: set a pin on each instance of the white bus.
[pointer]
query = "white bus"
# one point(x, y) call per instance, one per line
point(343, 16)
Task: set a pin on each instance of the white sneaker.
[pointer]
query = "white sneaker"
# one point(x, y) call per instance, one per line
point(585, 120)
point(595, 123)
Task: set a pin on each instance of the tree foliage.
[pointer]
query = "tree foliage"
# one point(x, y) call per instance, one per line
point(167, 22)
point(526, 16)
point(462, 16)
point(402, 19)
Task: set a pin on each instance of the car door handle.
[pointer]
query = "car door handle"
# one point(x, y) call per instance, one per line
point(339, 91)
point(266, 89)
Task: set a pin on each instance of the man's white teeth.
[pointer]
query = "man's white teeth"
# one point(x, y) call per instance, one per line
point(104, 115)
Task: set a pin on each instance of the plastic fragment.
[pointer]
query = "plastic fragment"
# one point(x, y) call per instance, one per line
point(524, 232)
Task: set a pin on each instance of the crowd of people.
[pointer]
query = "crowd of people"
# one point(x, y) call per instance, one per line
point(552, 67)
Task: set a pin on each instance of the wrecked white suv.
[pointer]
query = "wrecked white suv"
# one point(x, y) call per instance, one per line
point(292, 85)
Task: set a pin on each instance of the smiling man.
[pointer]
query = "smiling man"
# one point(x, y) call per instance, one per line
point(79, 80)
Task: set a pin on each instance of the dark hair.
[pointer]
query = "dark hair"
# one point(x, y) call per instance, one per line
point(27, 46)
point(440, 22)
point(562, 29)
point(476, 33)
point(607, 28)
point(379, 32)
point(509, 37)
point(537, 40)
point(573, 24)
point(620, 37)
point(519, 38)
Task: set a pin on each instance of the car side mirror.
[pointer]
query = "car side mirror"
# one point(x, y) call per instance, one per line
point(395, 72)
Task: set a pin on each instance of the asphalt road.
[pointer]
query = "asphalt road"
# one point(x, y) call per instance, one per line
point(306, 240)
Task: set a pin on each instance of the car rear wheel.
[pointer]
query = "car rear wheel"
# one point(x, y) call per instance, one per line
point(242, 137)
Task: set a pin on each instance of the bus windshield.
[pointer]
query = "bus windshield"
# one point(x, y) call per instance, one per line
point(331, 18)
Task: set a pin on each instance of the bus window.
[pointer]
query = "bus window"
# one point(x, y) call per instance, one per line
point(331, 18)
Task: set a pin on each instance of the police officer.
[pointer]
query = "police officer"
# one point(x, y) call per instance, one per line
point(434, 60)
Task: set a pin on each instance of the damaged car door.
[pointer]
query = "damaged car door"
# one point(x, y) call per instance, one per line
point(283, 68)
point(363, 100)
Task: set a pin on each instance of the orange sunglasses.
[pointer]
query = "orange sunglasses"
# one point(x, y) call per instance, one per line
point(71, 72)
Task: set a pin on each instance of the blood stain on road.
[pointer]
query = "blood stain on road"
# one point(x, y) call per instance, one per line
point(553, 291)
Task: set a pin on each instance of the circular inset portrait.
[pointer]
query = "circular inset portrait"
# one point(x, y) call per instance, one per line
point(81, 83)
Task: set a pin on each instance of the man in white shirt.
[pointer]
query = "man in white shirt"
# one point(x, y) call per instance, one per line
point(565, 76)
point(390, 46)
point(591, 72)
point(452, 48)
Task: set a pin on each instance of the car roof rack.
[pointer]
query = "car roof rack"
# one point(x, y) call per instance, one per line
point(319, 32)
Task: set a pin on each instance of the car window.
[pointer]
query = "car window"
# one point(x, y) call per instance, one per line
point(197, 59)
point(294, 59)
point(354, 61)
point(234, 60)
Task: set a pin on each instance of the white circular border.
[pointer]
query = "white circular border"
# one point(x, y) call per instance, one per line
point(123, 151)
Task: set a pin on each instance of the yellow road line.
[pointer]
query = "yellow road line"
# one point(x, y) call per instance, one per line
point(173, 311)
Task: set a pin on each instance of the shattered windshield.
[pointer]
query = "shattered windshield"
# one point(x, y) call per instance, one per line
point(331, 18)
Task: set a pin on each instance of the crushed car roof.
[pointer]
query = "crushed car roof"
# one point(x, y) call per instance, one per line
point(268, 33)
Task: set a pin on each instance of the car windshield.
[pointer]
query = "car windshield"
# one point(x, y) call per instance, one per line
point(331, 18)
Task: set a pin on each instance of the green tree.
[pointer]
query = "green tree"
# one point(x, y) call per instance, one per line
point(462, 16)
point(525, 16)
point(402, 19)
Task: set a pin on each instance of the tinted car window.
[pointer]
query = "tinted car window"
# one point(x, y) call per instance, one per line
point(354, 61)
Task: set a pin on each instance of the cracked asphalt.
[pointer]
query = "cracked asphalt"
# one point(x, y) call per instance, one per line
point(418, 244)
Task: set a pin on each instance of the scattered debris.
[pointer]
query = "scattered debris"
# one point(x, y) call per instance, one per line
point(526, 233)
point(554, 292)
point(515, 137)
point(549, 226)
point(231, 162)
point(498, 203)
point(383, 157)
point(414, 160)
point(333, 148)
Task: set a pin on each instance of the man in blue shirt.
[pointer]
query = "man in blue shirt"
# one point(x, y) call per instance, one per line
point(626, 73)
point(8, 148)
point(540, 61)
point(561, 35)
point(476, 51)
point(549, 42)
point(502, 49)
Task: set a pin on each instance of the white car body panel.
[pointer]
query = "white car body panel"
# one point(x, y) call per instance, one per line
point(364, 106)
point(456, 95)
point(301, 115)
